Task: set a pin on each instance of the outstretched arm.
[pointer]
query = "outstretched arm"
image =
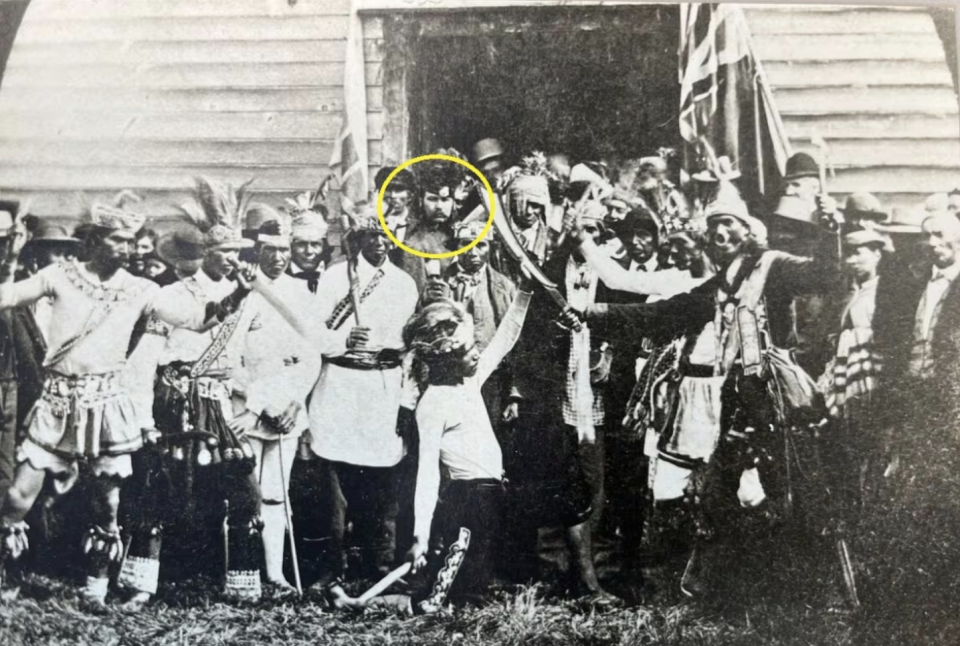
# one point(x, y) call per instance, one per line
point(505, 337)
point(616, 277)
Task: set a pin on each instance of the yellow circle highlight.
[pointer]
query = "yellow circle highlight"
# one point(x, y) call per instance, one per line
point(447, 254)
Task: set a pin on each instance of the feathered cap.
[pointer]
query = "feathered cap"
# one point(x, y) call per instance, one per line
point(439, 331)
point(362, 217)
point(308, 216)
point(115, 214)
point(219, 211)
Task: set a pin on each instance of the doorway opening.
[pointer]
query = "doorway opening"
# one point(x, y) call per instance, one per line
point(594, 84)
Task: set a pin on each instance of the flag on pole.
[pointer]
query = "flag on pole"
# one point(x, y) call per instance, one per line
point(725, 109)
point(349, 159)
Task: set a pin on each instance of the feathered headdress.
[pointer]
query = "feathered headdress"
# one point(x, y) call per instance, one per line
point(219, 211)
point(115, 214)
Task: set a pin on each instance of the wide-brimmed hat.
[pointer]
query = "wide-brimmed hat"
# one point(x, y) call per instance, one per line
point(180, 244)
point(724, 171)
point(864, 237)
point(904, 220)
point(801, 165)
point(864, 205)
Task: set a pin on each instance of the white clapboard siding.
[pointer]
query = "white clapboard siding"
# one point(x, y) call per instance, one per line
point(102, 95)
point(874, 83)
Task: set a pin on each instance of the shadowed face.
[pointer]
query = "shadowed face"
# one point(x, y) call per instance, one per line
point(437, 207)
point(218, 262)
point(531, 213)
point(861, 261)
point(726, 235)
point(640, 245)
point(374, 246)
point(274, 259)
point(114, 249)
point(474, 259)
point(806, 188)
point(942, 239)
point(306, 254)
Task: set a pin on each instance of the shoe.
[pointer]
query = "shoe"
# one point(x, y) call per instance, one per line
point(278, 590)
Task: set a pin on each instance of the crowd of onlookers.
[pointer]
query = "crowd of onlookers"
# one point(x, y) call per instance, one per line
point(283, 397)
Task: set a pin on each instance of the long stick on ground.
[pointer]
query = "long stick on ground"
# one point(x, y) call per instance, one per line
point(289, 517)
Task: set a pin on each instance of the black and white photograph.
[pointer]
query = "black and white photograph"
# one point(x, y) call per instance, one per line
point(479, 322)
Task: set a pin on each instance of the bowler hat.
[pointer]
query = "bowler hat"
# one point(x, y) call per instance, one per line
point(801, 165)
point(181, 244)
point(486, 149)
point(864, 205)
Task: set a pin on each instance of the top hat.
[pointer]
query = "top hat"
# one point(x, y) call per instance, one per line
point(801, 165)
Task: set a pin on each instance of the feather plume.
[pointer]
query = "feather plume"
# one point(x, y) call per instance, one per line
point(218, 203)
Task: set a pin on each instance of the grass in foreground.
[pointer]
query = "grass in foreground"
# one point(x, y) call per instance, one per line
point(48, 613)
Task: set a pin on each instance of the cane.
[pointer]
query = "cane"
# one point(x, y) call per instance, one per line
point(289, 516)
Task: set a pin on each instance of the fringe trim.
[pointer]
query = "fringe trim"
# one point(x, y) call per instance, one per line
point(243, 584)
point(140, 574)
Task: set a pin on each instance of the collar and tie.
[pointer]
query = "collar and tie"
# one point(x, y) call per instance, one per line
point(311, 276)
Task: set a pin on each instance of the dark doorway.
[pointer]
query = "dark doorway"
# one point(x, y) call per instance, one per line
point(598, 83)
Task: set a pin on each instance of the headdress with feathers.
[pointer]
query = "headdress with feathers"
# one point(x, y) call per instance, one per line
point(115, 213)
point(219, 210)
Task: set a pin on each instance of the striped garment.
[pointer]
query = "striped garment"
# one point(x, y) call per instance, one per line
point(857, 364)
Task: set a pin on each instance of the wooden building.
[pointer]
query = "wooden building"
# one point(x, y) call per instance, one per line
point(99, 95)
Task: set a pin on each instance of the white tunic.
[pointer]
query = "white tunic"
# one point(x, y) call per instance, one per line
point(353, 412)
point(280, 366)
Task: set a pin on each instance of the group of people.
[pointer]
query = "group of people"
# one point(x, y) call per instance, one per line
point(260, 396)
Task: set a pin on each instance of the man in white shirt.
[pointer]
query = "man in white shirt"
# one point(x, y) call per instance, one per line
point(280, 370)
point(354, 406)
point(308, 247)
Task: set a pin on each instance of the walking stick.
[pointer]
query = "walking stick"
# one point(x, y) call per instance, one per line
point(351, 264)
point(289, 516)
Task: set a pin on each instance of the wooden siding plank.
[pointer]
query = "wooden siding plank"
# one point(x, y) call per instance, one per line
point(861, 20)
point(807, 47)
point(169, 153)
point(857, 126)
point(866, 101)
point(43, 101)
point(889, 152)
point(193, 75)
point(894, 179)
point(787, 74)
point(190, 51)
point(158, 203)
point(156, 177)
point(173, 28)
point(178, 126)
point(80, 10)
